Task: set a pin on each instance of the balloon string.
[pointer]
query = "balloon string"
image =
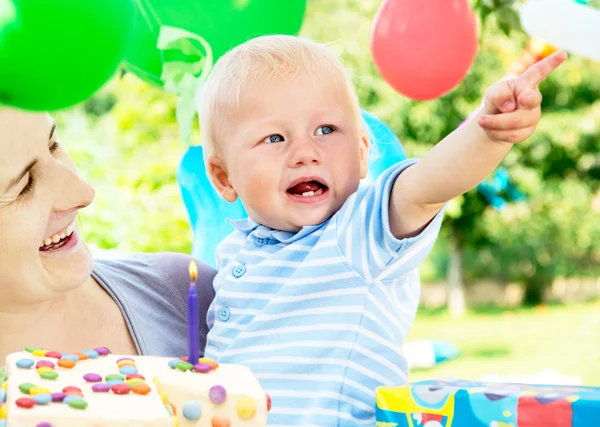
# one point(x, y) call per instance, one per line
point(149, 15)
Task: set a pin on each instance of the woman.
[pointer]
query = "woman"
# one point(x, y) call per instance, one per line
point(52, 293)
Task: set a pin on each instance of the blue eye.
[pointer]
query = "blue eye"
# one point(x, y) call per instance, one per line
point(324, 130)
point(271, 139)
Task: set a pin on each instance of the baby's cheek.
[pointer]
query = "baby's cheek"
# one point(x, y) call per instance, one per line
point(260, 181)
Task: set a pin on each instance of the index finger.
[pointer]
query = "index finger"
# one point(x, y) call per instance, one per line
point(537, 73)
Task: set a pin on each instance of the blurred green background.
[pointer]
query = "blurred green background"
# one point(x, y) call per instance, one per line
point(540, 257)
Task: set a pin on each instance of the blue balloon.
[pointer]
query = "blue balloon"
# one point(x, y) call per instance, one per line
point(207, 211)
point(386, 147)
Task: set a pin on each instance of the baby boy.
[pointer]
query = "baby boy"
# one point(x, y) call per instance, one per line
point(317, 289)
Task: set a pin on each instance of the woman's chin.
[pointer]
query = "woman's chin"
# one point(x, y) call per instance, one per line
point(70, 263)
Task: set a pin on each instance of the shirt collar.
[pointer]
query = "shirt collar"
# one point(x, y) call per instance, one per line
point(248, 226)
point(245, 225)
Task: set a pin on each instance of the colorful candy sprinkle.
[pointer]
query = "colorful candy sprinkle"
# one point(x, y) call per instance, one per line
point(128, 370)
point(173, 363)
point(92, 354)
point(173, 410)
point(122, 359)
point(120, 389)
point(125, 363)
point(54, 354)
point(134, 381)
point(25, 402)
point(2, 423)
point(25, 387)
point(114, 377)
point(74, 393)
point(44, 424)
point(49, 375)
point(58, 396)
point(45, 363)
point(66, 363)
point(217, 394)
point(202, 367)
point(246, 408)
point(163, 396)
point(92, 378)
point(184, 366)
point(114, 382)
point(140, 388)
point(72, 357)
point(2, 396)
point(39, 352)
point(44, 369)
point(42, 399)
point(31, 349)
point(130, 376)
point(82, 356)
point(169, 409)
point(101, 388)
point(102, 351)
point(78, 404)
point(2, 411)
point(214, 365)
point(73, 398)
point(191, 410)
point(25, 363)
point(38, 390)
point(71, 388)
point(217, 421)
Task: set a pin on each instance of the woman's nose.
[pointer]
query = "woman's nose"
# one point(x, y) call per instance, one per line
point(73, 193)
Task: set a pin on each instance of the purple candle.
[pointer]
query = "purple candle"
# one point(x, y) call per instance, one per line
point(193, 317)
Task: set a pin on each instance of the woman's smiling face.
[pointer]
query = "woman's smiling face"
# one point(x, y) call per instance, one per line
point(41, 251)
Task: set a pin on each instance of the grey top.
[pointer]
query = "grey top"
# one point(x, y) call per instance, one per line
point(151, 291)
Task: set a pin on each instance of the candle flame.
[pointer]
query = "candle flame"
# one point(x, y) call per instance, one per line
point(193, 270)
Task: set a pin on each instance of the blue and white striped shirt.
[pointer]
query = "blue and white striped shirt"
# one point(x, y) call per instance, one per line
point(320, 315)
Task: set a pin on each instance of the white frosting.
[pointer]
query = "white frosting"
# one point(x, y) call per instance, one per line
point(134, 410)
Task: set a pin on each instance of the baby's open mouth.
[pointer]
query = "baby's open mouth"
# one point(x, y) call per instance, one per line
point(307, 189)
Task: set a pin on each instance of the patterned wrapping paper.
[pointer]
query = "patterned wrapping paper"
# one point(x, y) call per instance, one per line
point(457, 403)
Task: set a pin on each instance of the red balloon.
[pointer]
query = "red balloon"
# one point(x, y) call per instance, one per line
point(424, 48)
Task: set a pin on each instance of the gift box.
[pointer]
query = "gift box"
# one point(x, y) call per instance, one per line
point(458, 403)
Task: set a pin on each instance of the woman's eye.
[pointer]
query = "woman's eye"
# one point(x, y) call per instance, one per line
point(27, 187)
point(324, 130)
point(273, 138)
point(53, 147)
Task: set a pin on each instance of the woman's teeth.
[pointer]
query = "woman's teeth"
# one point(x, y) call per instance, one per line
point(58, 237)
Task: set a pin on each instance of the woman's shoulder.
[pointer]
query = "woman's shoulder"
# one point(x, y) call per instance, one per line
point(154, 271)
point(151, 290)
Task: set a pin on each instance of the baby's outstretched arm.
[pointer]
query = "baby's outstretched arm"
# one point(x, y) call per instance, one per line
point(510, 113)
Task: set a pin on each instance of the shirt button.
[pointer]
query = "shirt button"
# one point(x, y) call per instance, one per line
point(224, 314)
point(238, 271)
point(260, 241)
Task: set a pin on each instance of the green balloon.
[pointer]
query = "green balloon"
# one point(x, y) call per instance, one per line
point(57, 53)
point(223, 24)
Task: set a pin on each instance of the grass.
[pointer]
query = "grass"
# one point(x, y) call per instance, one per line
point(565, 338)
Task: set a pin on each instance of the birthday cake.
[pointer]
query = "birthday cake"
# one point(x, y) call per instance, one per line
point(95, 389)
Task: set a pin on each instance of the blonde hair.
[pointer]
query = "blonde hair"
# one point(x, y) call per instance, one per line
point(255, 62)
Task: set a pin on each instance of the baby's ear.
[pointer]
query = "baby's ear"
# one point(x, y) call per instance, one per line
point(217, 173)
point(364, 145)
